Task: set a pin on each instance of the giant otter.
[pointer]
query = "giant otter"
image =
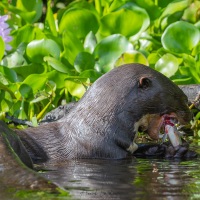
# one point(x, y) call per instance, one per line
point(104, 123)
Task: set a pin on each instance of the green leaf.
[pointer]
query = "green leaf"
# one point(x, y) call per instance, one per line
point(90, 42)
point(50, 21)
point(26, 70)
point(128, 21)
point(9, 74)
point(6, 88)
point(36, 82)
point(2, 49)
point(180, 37)
point(75, 86)
point(171, 10)
point(26, 34)
point(57, 77)
point(190, 63)
point(13, 60)
point(79, 22)
point(38, 49)
point(34, 6)
point(167, 65)
point(72, 46)
point(91, 74)
point(109, 50)
point(131, 57)
point(84, 61)
point(56, 64)
point(25, 90)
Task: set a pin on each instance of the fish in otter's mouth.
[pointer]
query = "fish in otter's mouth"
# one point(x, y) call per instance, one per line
point(154, 124)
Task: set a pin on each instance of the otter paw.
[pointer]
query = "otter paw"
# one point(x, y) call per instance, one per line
point(182, 151)
point(150, 150)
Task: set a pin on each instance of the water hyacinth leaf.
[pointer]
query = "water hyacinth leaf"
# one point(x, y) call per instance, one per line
point(36, 82)
point(2, 49)
point(25, 90)
point(90, 42)
point(6, 88)
point(175, 9)
point(50, 21)
point(34, 6)
point(91, 74)
point(128, 21)
point(190, 13)
point(84, 61)
point(180, 37)
point(56, 64)
point(79, 22)
point(76, 86)
point(153, 58)
point(109, 50)
point(25, 34)
point(9, 74)
point(57, 77)
point(131, 57)
point(38, 49)
point(26, 70)
point(72, 46)
point(13, 60)
point(190, 63)
point(168, 65)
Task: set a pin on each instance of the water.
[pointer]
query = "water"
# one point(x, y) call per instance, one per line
point(128, 179)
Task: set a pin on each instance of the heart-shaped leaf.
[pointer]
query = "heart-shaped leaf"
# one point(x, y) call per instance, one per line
point(38, 49)
point(180, 37)
point(79, 22)
point(109, 50)
point(128, 21)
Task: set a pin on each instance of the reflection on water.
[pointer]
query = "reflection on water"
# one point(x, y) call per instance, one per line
point(128, 179)
point(110, 180)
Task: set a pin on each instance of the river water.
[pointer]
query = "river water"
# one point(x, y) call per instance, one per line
point(129, 179)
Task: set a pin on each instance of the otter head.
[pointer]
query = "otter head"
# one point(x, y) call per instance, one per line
point(130, 97)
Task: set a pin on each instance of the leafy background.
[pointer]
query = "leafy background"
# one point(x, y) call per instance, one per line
point(59, 48)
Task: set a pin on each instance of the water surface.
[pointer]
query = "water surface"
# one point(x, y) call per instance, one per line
point(129, 179)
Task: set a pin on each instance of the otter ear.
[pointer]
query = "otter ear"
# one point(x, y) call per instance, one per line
point(144, 82)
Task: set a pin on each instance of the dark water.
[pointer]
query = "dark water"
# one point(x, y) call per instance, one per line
point(129, 179)
point(135, 178)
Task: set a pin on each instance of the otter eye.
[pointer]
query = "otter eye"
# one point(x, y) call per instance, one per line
point(144, 82)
